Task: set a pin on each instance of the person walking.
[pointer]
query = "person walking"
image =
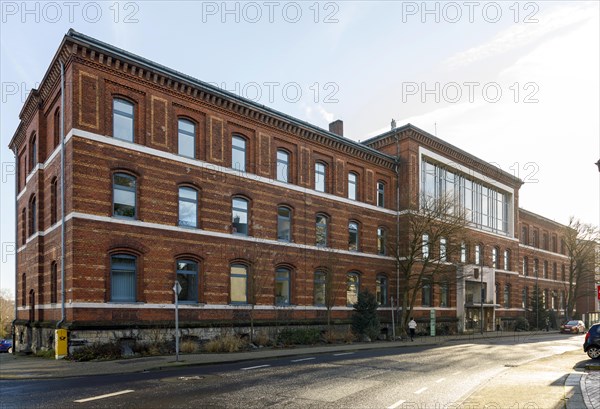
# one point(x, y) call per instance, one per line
point(412, 328)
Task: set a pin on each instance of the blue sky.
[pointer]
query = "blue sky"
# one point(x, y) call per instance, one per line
point(514, 83)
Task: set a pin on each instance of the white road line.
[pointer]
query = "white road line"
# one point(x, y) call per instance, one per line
point(302, 359)
point(108, 395)
point(343, 353)
point(420, 391)
point(395, 405)
point(255, 367)
point(456, 373)
point(440, 380)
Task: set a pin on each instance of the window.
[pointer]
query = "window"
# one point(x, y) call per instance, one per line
point(124, 195)
point(33, 225)
point(283, 162)
point(563, 273)
point(426, 295)
point(478, 255)
point(320, 177)
point(463, 252)
point(32, 152)
point(186, 138)
point(353, 236)
point(507, 260)
point(443, 249)
point(380, 194)
point(321, 230)
point(23, 290)
point(425, 246)
point(53, 201)
point(239, 216)
point(239, 284)
point(56, 127)
point(187, 277)
point(320, 288)
point(282, 286)
point(536, 238)
point(524, 297)
point(506, 297)
point(545, 269)
point(554, 244)
point(381, 289)
point(352, 287)
point(545, 241)
point(381, 240)
point(524, 235)
point(444, 295)
point(53, 283)
point(188, 207)
point(284, 221)
point(238, 153)
point(24, 225)
point(352, 188)
point(554, 271)
point(123, 277)
point(494, 257)
point(525, 266)
point(123, 117)
point(536, 267)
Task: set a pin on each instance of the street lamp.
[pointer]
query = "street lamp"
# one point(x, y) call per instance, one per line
point(480, 247)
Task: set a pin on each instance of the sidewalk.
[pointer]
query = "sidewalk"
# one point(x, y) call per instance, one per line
point(555, 379)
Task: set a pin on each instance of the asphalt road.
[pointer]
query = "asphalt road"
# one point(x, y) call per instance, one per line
point(415, 377)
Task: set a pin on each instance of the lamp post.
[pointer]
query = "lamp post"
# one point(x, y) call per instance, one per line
point(481, 280)
point(177, 290)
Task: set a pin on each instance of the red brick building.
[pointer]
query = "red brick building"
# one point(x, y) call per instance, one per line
point(169, 178)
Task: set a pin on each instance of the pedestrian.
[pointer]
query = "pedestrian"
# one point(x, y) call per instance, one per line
point(412, 327)
point(547, 324)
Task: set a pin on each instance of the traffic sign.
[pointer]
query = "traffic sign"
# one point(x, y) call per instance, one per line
point(177, 288)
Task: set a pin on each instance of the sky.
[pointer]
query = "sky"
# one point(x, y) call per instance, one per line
point(513, 83)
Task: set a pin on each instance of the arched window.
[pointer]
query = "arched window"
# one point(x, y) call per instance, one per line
point(53, 283)
point(554, 271)
point(506, 297)
point(524, 235)
point(478, 255)
point(33, 152)
point(283, 166)
point(33, 222)
point(321, 230)
point(426, 293)
point(381, 289)
point(320, 288)
point(239, 216)
point(56, 127)
point(53, 201)
point(238, 153)
point(353, 236)
point(381, 240)
point(282, 286)
point(494, 257)
point(425, 246)
point(443, 249)
point(23, 290)
point(524, 298)
point(352, 186)
point(444, 294)
point(536, 267)
point(545, 269)
point(187, 277)
point(123, 268)
point(525, 266)
point(284, 224)
point(320, 177)
point(239, 284)
point(124, 196)
point(352, 288)
point(123, 120)
point(188, 207)
point(463, 252)
point(24, 226)
point(507, 260)
point(186, 138)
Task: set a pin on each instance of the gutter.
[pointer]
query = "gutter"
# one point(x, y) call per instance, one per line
point(14, 336)
point(62, 195)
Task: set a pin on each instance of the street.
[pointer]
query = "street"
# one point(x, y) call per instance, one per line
point(416, 377)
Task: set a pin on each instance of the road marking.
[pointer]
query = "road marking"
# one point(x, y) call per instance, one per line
point(343, 353)
point(395, 405)
point(108, 395)
point(302, 359)
point(440, 380)
point(456, 373)
point(255, 367)
point(420, 391)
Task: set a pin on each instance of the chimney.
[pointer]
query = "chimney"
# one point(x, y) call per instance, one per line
point(337, 127)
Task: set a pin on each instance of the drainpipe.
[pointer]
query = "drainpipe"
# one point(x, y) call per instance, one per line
point(14, 337)
point(62, 194)
point(397, 223)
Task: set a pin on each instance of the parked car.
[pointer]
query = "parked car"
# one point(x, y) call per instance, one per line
point(6, 345)
point(591, 345)
point(573, 327)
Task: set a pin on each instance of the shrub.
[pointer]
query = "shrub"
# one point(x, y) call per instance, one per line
point(299, 336)
point(97, 351)
point(521, 324)
point(224, 343)
point(189, 347)
point(332, 336)
point(364, 318)
point(262, 339)
point(49, 353)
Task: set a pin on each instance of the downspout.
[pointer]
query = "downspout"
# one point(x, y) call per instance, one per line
point(397, 223)
point(62, 194)
point(14, 336)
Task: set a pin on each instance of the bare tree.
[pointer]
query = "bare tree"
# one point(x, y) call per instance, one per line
point(581, 241)
point(7, 312)
point(430, 240)
point(331, 281)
